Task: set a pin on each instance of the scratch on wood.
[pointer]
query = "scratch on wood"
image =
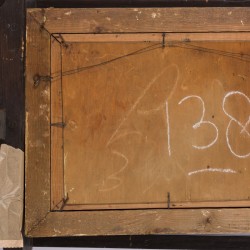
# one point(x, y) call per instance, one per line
point(68, 13)
point(151, 111)
point(205, 213)
point(162, 106)
point(65, 159)
point(126, 134)
point(45, 93)
point(152, 184)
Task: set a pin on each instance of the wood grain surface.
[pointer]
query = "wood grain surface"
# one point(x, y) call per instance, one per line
point(43, 24)
point(37, 133)
point(140, 20)
point(57, 191)
point(154, 123)
point(141, 222)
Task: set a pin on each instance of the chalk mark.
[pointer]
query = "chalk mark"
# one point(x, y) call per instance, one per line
point(152, 184)
point(151, 111)
point(229, 144)
point(163, 105)
point(244, 129)
point(151, 83)
point(220, 170)
point(113, 176)
point(168, 129)
point(201, 122)
point(233, 119)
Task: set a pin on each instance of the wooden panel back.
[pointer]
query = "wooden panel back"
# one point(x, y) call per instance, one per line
point(148, 126)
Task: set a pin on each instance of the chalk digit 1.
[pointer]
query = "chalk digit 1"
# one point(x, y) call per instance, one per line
point(168, 129)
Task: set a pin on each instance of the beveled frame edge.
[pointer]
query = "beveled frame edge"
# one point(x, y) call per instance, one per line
point(145, 222)
point(37, 129)
point(39, 220)
point(57, 125)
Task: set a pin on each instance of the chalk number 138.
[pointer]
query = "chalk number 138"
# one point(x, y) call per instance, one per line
point(202, 122)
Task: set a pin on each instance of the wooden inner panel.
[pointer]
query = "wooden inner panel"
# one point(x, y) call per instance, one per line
point(148, 126)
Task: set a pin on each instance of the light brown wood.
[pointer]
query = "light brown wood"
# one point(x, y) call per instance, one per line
point(132, 20)
point(37, 132)
point(117, 140)
point(137, 222)
point(156, 37)
point(57, 191)
point(39, 220)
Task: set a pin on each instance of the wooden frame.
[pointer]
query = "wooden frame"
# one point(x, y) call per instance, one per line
point(43, 27)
